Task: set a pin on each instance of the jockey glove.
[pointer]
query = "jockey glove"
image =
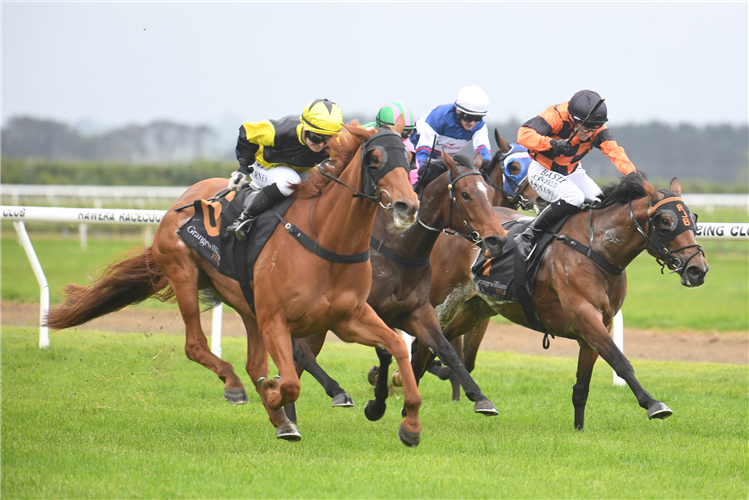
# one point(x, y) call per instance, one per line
point(559, 147)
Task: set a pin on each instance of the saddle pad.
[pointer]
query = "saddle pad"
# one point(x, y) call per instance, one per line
point(206, 233)
point(495, 277)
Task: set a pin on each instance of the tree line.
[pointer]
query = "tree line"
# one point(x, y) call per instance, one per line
point(717, 153)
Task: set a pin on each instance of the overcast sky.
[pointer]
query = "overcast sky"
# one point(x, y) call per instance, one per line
point(225, 63)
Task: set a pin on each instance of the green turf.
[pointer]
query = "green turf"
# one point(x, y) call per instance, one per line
point(102, 415)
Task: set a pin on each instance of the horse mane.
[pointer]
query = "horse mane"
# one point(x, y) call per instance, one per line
point(343, 146)
point(630, 187)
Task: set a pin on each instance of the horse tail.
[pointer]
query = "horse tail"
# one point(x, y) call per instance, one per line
point(120, 284)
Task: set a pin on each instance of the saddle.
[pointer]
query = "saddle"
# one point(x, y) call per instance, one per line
point(205, 232)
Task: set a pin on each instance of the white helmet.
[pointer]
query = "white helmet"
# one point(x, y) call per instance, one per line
point(472, 100)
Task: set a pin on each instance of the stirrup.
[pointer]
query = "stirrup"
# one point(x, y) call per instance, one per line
point(240, 231)
point(530, 254)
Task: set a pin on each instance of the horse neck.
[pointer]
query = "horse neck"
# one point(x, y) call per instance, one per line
point(342, 222)
point(615, 236)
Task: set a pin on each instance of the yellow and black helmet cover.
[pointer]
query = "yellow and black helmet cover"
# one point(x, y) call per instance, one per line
point(322, 116)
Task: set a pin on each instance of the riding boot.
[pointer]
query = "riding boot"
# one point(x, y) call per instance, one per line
point(262, 201)
point(550, 216)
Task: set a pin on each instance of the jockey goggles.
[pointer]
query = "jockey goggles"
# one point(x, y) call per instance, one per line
point(470, 118)
point(316, 138)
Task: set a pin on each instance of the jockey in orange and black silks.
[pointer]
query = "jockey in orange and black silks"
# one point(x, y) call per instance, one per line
point(557, 139)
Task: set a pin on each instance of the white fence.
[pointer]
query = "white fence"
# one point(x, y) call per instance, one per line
point(19, 214)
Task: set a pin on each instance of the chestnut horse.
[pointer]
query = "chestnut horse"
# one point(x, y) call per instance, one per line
point(574, 297)
point(458, 203)
point(297, 293)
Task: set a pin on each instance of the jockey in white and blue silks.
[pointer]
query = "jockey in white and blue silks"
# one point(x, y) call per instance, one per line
point(450, 127)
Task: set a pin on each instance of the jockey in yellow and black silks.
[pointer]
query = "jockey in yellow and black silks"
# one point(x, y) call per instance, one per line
point(556, 142)
point(277, 154)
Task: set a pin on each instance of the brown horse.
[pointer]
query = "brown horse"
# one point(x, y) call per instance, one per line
point(456, 204)
point(297, 293)
point(575, 297)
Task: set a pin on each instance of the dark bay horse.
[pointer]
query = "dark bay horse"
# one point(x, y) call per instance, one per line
point(297, 293)
point(457, 204)
point(573, 296)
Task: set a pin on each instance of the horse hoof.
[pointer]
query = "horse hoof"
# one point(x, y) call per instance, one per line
point(374, 411)
point(408, 438)
point(444, 373)
point(372, 375)
point(288, 432)
point(397, 381)
point(343, 400)
point(485, 407)
point(659, 410)
point(236, 395)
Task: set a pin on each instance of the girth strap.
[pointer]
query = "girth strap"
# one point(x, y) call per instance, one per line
point(391, 255)
point(321, 252)
point(591, 254)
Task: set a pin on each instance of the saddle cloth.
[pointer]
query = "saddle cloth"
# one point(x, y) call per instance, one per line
point(206, 233)
point(508, 277)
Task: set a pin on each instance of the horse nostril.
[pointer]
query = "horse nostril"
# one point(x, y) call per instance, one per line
point(495, 245)
point(404, 209)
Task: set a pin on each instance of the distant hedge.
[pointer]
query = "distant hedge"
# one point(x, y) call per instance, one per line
point(30, 171)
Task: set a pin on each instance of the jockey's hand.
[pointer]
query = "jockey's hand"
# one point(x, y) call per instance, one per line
point(235, 181)
point(559, 147)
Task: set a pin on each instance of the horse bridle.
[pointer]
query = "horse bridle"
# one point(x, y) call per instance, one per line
point(371, 174)
point(671, 204)
point(472, 236)
point(514, 197)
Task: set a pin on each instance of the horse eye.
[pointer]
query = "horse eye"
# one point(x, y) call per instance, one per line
point(513, 168)
point(466, 197)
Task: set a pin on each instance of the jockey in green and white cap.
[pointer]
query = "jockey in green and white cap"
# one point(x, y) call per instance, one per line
point(387, 115)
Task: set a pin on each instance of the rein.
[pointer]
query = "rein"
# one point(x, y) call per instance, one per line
point(358, 194)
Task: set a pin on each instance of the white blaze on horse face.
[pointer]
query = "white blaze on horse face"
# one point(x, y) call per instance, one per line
point(483, 189)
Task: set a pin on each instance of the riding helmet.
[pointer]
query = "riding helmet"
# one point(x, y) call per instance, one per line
point(322, 116)
point(389, 113)
point(472, 100)
point(581, 104)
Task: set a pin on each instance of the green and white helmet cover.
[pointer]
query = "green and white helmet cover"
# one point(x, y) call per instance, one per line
point(389, 113)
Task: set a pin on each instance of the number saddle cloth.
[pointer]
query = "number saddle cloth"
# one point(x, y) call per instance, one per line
point(205, 232)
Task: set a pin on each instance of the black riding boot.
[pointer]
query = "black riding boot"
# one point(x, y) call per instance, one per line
point(262, 201)
point(550, 216)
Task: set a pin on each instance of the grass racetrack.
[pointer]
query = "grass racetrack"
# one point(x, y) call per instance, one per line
point(102, 415)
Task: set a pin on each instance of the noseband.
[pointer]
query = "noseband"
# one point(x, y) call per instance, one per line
point(672, 205)
point(472, 236)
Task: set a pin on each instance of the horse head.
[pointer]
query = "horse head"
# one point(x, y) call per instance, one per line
point(383, 175)
point(470, 202)
point(670, 233)
point(510, 180)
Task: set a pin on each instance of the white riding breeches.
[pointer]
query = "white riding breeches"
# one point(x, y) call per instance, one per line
point(283, 177)
point(552, 186)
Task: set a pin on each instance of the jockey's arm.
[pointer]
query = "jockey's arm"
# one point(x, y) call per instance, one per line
point(615, 152)
point(252, 135)
point(427, 136)
point(481, 143)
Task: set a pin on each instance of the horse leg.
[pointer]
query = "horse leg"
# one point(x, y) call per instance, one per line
point(367, 328)
point(597, 335)
point(375, 408)
point(305, 358)
point(183, 277)
point(423, 323)
point(257, 369)
point(586, 359)
point(468, 345)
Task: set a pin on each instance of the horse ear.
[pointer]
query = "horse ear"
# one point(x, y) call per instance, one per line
point(478, 160)
point(449, 161)
point(504, 146)
point(675, 186)
point(400, 124)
